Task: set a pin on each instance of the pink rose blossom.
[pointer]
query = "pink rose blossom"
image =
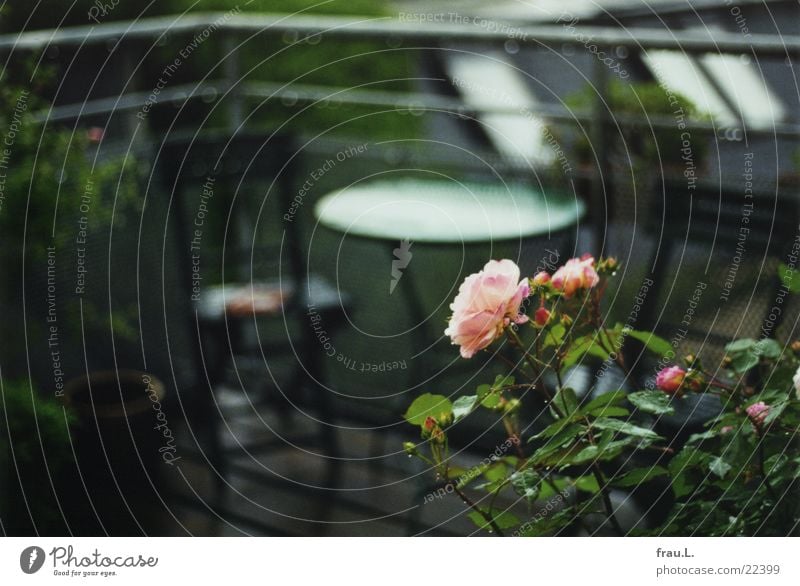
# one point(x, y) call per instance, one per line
point(578, 273)
point(669, 379)
point(757, 412)
point(487, 302)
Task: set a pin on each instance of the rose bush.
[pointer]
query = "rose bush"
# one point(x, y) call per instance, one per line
point(738, 477)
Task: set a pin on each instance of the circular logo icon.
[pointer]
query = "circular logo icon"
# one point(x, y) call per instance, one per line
point(31, 559)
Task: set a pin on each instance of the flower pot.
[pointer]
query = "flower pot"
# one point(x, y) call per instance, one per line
point(118, 440)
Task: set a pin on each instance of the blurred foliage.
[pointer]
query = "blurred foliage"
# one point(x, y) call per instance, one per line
point(38, 431)
point(644, 145)
point(326, 62)
point(45, 172)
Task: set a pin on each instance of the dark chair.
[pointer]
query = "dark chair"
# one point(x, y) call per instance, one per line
point(715, 267)
point(258, 308)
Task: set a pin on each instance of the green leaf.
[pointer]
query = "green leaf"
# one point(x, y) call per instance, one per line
point(610, 411)
point(587, 483)
point(685, 470)
point(655, 344)
point(597, 453)
point(653, 402)
point(599, 403)
point(554, 336)
point(495, 472)
point(503, 520)
point(547, 524)
point(454, 472)
point(789, 277)
point(583, 346)
point(428, 405)
point(557, 427)
point(768, 348)
point(566, 401)
point(744, 361)
point(639, 476)
point(501, 381)
point(463, 406)
point(624, 427)
point(527, 484)
point(719, 467)
point(742, 345)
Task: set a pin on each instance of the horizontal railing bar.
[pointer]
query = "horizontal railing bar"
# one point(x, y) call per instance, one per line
point(407, 100)
point(481, 30)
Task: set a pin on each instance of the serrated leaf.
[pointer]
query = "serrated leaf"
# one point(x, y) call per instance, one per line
point(463, 406)
point(557, 427)
point(611, 411)
point(581, 347)
point(653, 402)
point(655, 344)
point(768, 348)
point(527, 484)
point(624, 427)
point(428, 405)
point(719, 467)
point(554, 336)
point(639, 476)
point(566, 401)
point(587, 483)
point(741, 345)
point(488, 396)
point(596, 404)
point(501, 381)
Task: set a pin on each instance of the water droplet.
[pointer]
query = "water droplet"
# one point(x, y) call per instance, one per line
point(512, 47)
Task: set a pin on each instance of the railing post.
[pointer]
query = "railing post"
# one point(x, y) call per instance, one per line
point(231, 74)
point(599, 202)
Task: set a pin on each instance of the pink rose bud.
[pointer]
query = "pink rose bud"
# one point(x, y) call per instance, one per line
point(757, 412)
point(94, 134)
point(670, 379)
point(429, 424)
point(577, 274)
point(541, 317)
point(541, 278)
point(487, 303)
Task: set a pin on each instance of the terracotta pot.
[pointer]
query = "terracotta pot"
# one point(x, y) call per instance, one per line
point(117, 487)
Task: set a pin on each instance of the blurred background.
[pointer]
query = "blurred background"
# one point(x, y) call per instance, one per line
point(231, 232)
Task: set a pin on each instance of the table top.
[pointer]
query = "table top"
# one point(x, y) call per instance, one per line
point(446, 211)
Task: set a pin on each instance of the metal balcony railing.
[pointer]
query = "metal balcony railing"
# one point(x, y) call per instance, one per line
point(234, 31)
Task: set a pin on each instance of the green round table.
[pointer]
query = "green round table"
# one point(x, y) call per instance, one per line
point(446, 211)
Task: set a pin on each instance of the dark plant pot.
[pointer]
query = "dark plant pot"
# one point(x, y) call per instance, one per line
point(116, 488)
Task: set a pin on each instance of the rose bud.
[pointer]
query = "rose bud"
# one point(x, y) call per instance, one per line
point(541, 317)
point(670, 379)
point(541, 278)
point(575, 275)
point(757, 413)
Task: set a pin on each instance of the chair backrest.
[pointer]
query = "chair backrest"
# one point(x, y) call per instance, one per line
point(716, 258)
point(230, 195)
